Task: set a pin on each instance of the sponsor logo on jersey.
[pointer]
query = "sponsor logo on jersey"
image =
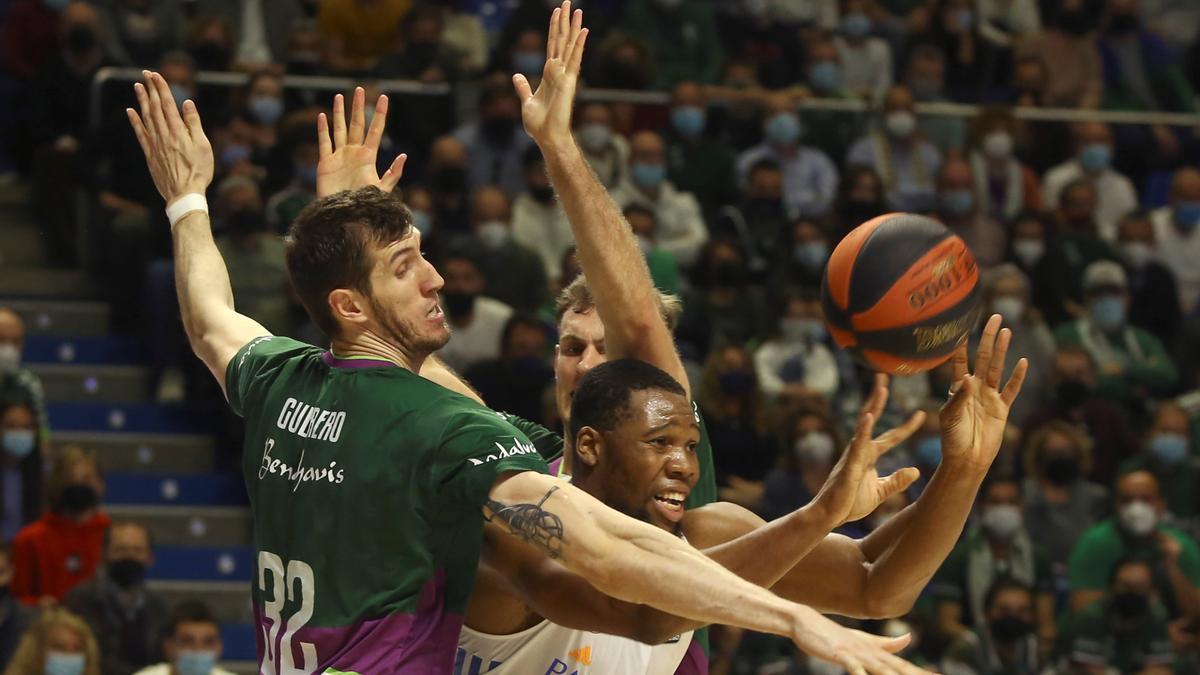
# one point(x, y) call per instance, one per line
point(518, 448)
point(581, 656)
point(297, 474)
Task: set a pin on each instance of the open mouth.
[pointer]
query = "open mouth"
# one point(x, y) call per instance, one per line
point(435, 313)
point(670, 504)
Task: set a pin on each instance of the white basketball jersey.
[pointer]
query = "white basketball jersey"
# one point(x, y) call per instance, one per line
point(550, 649)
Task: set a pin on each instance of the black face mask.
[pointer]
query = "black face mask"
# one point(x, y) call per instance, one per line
point(729, 274)
point(458, 304)
point(80, 40)
point(127, 573)
point(78, 497)
point(1124, 23)
point(1010, 629)
point(245, 222)
point(210, 56)
point(1061, 469)
point(449, 179)
point(542, 193)
point(1130, 605)
point(1075, 22)
point(1071, 393)
point(497, 130)
point(422, 54)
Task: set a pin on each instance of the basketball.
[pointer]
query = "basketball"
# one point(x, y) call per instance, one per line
point(900, 293)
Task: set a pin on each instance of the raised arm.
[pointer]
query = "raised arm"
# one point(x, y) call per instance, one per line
point(180, 160)
point(638, 563)
point(607, 248)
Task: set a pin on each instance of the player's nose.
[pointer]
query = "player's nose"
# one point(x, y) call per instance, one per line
point(590, 359)
point(434, 281)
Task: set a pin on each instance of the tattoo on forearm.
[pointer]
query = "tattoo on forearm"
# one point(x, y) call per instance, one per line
point(532, 523)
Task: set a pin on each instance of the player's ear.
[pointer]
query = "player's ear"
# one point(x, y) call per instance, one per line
point(347, 305)
point(589, 445)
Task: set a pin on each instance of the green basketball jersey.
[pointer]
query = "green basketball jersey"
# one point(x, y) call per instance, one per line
point(366, 484)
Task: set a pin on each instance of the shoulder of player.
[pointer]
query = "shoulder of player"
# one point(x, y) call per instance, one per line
point(717, 523)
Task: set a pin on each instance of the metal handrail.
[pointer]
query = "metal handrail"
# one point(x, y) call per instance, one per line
point(416, 88)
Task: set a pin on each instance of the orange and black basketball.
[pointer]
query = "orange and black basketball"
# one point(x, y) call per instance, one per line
point(900, 292)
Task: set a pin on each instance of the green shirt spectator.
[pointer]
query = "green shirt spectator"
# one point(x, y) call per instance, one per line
point(681, 35)
point(258, 274)
point(695, 162)
point(830, 131)
point(664, 271)
point(1167, 454)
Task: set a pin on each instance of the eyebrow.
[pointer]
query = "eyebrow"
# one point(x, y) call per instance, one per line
point(662, 427)
point(400, 252)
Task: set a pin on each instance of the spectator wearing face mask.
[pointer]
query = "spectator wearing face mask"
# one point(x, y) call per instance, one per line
point(58, 643)
point(862, 198)
point(538, 222)
point(15, 617)
point(759, 219)
point(696, 161)
point(21, 490)
point(514, 381)
point(420, 52)
point(1115, 194)
point(1137, 531)
point(446, 176)
point(138, 32)
point(924, 449)
point(996, 547)
point(1059, 502)
point(606, 151)
point(830, 131)
point(126, 617)
point(1006, 292)
point(514, 273)
point(1133, 363)
point(906, 161)
point(262, 28)
point(1153, 295)
point(1177, 232)
point(192, 643)
point(926, 79)
point(959, 210)
point(682, 232)
point(866, 60)
point(1168, 454)
point(1076, 233)
point(723, 307)
point(63, 548)
point(1006, 643)
point(17, 384)
point(254, 257)
point(798, 360)
point(810, 179)
point(811, 446)
point(1034, 247)
point(1068, 48)
point(663, 269)
point(1123, 629)
point(286, 204)
point(682, 38)
point(764, 33)
point(1004, 186)
point(735, 415)
point(495, 142)
point(476, 321)
point(800, 259)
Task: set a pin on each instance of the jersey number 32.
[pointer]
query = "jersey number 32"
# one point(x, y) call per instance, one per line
point(298, 575)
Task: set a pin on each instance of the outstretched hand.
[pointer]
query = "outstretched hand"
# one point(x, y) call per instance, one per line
point(547, 111)
point(178, 154)
point(974, 419)
point(854, 488)
point(352, 164)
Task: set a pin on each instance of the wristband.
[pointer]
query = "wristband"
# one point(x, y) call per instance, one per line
point(179, 208)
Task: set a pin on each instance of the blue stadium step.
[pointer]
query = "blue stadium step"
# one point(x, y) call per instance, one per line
point(239, 642)
point(173, 489)
point(75, 382)
point(202, 563)
point(133, 417)
point(111, 350)
point(190, 525)
point(62, 317)
point(229, 600)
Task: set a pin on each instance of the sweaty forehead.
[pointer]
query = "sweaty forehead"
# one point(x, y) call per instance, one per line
point(655, 408)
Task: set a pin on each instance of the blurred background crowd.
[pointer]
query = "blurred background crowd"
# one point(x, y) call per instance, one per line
point(743, 139)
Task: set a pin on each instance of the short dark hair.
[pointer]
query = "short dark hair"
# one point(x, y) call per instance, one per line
point(1005, 583)
point(327, 244)
point(521, 320)
point(189, 611)
point(602, 398)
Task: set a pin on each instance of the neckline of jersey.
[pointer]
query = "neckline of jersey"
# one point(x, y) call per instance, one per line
point(351, 362)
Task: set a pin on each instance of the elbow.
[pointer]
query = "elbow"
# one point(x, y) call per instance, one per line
point(882, 607)
point(655, 632)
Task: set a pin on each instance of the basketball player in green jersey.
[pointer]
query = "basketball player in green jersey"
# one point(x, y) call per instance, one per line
point(370, 486)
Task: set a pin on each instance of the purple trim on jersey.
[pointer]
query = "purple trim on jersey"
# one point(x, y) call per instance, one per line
point(419, 643)
point(334, 362)
point(694, 661)
point(553, 466)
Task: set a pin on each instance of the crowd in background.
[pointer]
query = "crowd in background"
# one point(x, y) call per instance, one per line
point(1083, 555)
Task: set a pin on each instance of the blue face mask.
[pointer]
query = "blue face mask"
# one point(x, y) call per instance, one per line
point(234, 153)
point(783, 128)
point(1187, 215)
point(266, 109)
point(1108, 312)
point(958, 202)
point(196, 663)
point(929, 451)
point(180, 94)
point(811, 255)
point(688, 120)
point(1170, 448)
point(19, 442)
point(648, 175)
point(825, 76)
point(1095, 157)
point(60, 663)
point(529, 63)
point(856, 25)
point(423, 222)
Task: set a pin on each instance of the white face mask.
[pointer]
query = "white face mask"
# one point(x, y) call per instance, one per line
point(1001, 521)
point(1012, 309)
point(900, 123)
point(998, 145)
point(10, 358)
point(815, 448)
point(1138, 518)
point(493, 233)
point(1029, 251)
point(1137, 253)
